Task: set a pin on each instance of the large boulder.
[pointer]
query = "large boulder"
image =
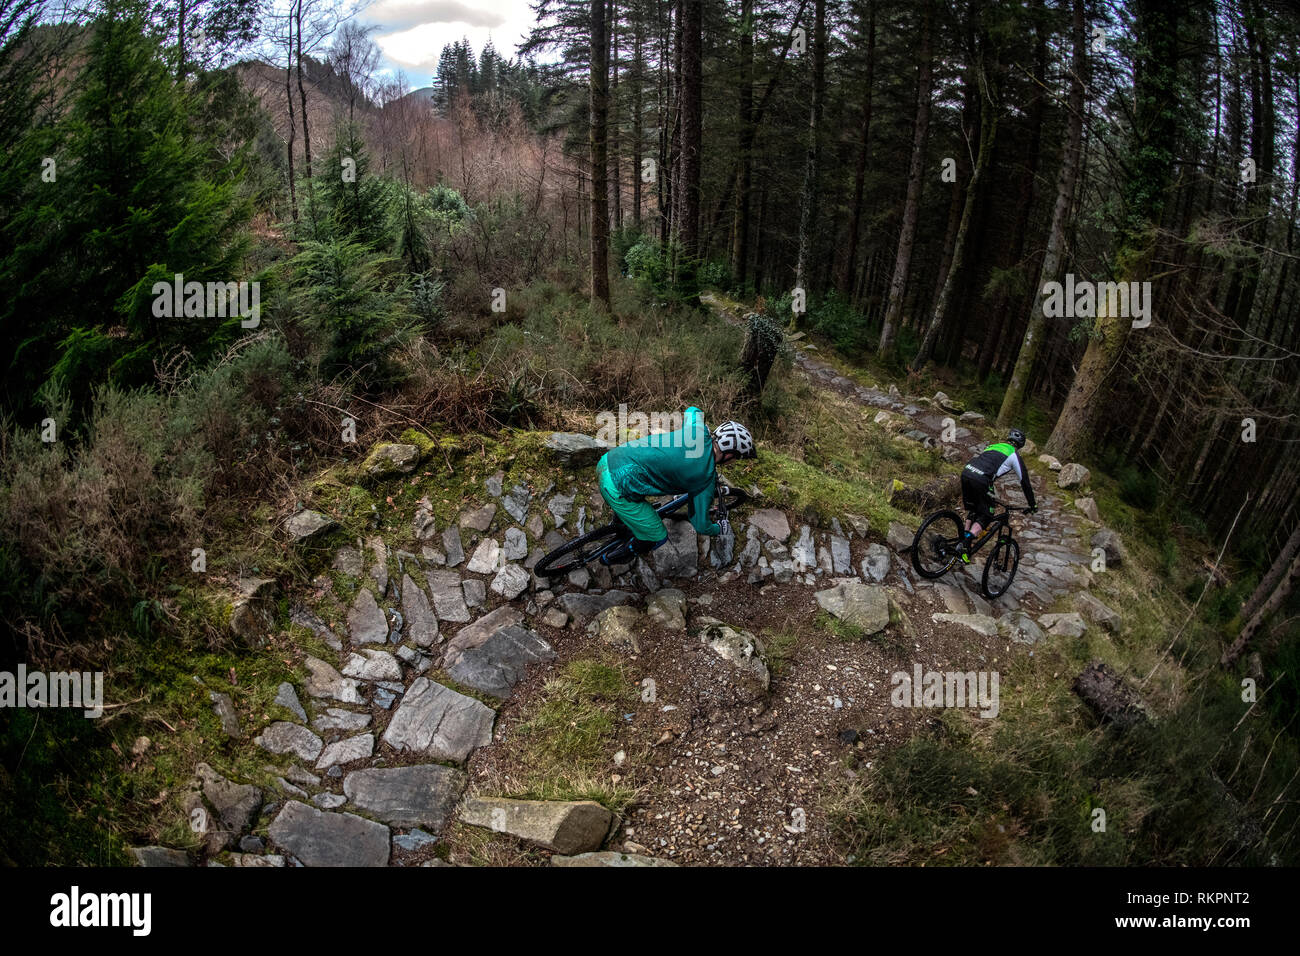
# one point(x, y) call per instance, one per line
point(576, 451)
point(417, 796)
point(864, 606)
point(875, 565)
point(476, 634)
point(679, 556)
point(1072, 475)
point(283, 737)
point(389, 461)
point(1019, 627)
point(319, 838)
point(253, 610)
point(619, 627)
point(437, 722)
point(1096, 612)
point(1064, 625)
point(1088, 508)
point(307, 527)
point(899, 536)
point(1109, 541)
point(741, 648)
point(583, 607)
point(233, 804)
point(772, 522)
point(665, 608)
point(500, 662)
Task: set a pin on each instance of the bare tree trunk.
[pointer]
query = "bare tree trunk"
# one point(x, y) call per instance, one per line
point(1279, 584)
point(688, 186)
point(744, 167)
point(599, 130)
point(1014, 398)
point(864, 142)
point(293, 126)
point(302, 96)
point(615, 146)
point(1270, 580)
point(180, 40)
point(636, 127)
point(988, 135)
point(809, 205)
point(1156, 85)
point(912, 205)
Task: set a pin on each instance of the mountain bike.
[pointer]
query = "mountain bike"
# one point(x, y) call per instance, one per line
point(940, 543)
point(608, 538)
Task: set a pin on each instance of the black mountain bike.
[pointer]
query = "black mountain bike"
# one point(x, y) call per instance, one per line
point(940, 543)
point(589, 547)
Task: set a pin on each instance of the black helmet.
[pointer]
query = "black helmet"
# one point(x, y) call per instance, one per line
point(1016, 437)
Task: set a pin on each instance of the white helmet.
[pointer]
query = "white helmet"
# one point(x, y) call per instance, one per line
point(733, 436)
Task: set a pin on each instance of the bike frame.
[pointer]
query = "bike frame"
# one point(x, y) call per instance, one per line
point(669, 508)
point(1001, 524)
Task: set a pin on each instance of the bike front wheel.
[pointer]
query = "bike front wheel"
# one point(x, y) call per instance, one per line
point(578, 552)
point(937, 544)
point(1000, 568)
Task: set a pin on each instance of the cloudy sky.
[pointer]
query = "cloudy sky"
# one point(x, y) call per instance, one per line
point(412, 33)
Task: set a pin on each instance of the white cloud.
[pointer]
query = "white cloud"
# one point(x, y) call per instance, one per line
point(412, 33)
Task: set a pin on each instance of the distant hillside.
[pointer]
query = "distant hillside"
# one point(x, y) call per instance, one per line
point(327, 104)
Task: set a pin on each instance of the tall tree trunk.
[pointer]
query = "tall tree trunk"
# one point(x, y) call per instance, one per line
point(1155, 87)
point(847, 277)
point(293, 125)
point(688, 225)
point(616, 170)
point(808, 211)
point(180, 42)
point(988, 135)
point(912, 204)
point(636, 126)
point(598, 131)
point(1014, 398)
point(744, 165)
point(302, 96)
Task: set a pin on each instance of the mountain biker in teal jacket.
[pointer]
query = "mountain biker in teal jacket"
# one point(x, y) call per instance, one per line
point(683, 462)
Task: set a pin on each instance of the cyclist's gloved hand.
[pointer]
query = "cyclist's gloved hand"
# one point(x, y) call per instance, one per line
point(724, 527)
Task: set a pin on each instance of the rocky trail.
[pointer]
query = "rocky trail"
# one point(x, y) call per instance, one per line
point(759, 670)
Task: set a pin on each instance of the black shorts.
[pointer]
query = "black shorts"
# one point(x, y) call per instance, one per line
point(977, 493)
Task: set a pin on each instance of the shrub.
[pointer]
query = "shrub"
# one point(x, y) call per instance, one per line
point(348, 293)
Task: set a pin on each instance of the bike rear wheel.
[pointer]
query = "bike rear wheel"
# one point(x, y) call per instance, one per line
point(580, 551)
point(1000, 568)
point(937, 544)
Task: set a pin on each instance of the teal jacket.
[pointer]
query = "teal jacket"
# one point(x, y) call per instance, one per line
point(672, 463)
